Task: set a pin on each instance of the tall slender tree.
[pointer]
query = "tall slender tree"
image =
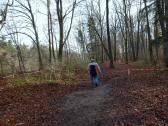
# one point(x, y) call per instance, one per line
point(126, 30)
point(61, 18)
point(108, 35)
point(49, 29)
point(166, 34)
point(26, 11)
point(148, 31)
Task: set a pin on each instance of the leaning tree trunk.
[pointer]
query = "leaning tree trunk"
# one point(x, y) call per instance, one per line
point(36, 36)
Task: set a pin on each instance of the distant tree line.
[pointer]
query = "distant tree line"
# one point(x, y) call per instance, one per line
point(116, 32)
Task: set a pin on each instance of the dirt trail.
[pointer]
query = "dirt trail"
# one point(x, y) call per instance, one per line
point(87, 98)
point(85, 107)
point(103, 106)
point(119, 102)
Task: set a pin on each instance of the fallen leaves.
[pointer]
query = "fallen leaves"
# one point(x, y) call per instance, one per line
point(142, 99)
point(33, 104)
point(143, 95)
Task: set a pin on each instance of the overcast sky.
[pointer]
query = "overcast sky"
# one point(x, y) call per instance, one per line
point(41, 18)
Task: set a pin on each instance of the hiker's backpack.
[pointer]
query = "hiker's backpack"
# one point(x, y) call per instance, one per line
point(93, 72)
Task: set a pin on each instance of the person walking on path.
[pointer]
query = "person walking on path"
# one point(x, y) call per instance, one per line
point(94, 71)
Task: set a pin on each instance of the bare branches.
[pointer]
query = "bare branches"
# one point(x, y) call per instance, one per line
point(18, 32)
point(61, 19)
point(23, 6)
point(4, 14)
point(73, 9)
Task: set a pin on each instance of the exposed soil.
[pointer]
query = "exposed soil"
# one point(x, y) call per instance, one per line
point(83, 108)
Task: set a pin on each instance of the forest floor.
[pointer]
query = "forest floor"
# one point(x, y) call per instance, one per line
point(129, 96)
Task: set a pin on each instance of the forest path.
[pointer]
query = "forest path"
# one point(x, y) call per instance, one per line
point(122, 101)
point(88, 107)
point(83, 108)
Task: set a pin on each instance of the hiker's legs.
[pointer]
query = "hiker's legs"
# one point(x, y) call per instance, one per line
point(92, 82)
point(99, 81)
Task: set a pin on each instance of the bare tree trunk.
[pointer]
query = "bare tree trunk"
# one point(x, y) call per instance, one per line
point(49, 30)
point(108, 35)
point(52, 40)
point(115, 46)
point(114, 33)
point(138, 39)
point(148, 31)
point(61, 18)
point(126, 32)
point(102, 54)
point(166, 35)
point(132, 39)
point(142, 44)
point(36, 36)
point(20, 59)
point(162, 9)
point(61, 30)
point(138, 32)
point(27, 13)
point(61, 44)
